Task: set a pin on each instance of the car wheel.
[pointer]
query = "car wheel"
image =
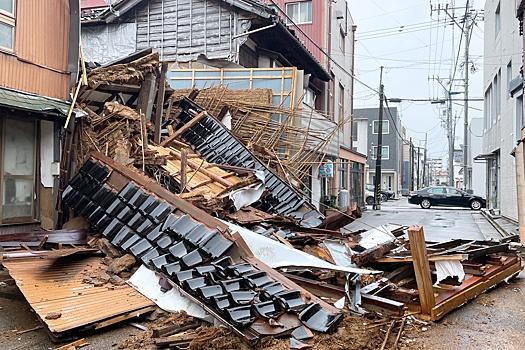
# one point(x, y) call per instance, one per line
point(384, 198)
point(475, 205)
point(425, 203)
point(370, 200)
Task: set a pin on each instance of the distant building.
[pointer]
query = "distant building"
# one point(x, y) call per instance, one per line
point(391, 147)
point(503, 112)
point(477, 169)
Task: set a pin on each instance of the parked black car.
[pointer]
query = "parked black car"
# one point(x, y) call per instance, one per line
point(446, 196)
point(385, 195)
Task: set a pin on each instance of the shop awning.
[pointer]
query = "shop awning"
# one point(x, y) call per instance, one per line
point(33, 103)
point(485, 156)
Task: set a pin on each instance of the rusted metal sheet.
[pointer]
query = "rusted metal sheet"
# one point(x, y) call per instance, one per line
point(38, 63)
point(55, 286)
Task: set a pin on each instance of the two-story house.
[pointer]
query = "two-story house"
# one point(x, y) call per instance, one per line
point(328, 31)
point(38, 64)
point(366, 130)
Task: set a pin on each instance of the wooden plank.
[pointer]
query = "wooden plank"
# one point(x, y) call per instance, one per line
point(124, 317)
point(416, 237)
point(146, 96)
point(183, 165)
point(157, 120)
point(408, 259)
point(184, 128)
point(74, 345)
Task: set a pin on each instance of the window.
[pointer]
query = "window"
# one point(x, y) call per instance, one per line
point(438, 190)
point(309, 97)
point(331, 101)
point(343, 174)
point(17, 175)
point(453, 192)
point(495, 99)
point(300, 12)
point(386, 127)
point(341, 103)
point(497, 20)
point(519, 117)
point(354, 131)
point(342, 40)
point(385, 154)
point(7, 24)
point(509, 78)
point(488, 107)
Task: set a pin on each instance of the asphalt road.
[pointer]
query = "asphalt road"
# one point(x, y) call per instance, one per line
point(440, 223)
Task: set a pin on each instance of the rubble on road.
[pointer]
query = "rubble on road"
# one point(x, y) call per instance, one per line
point(177, 202)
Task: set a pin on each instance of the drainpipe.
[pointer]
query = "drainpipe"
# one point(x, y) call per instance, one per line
point(329, 47)
point(520, 185)
point(354, 29)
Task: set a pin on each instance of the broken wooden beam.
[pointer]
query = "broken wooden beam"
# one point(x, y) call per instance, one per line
point(372, 254)
point(427, 300)
point(184, 128)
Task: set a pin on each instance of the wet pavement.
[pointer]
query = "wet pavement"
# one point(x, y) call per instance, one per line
point(440, 223)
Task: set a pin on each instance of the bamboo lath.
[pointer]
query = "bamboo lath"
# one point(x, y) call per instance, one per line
point(283, 137)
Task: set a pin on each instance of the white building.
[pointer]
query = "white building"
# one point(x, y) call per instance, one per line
point(503, 104)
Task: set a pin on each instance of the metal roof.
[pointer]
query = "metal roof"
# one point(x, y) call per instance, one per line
point(33, 103)
point(56, 286)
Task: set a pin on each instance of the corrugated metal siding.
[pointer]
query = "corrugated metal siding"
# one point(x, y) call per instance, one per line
point(183, 29)
point(315, 30)
point(55, 285)
point(42, 34)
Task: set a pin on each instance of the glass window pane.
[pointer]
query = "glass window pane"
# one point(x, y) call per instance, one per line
point(6, 35)
point(18, 198)
point(7, 6)
point(19, 148)
point(306, 11)
point(18, 141)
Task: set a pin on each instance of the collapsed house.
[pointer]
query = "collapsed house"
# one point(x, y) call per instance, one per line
point(220, 227)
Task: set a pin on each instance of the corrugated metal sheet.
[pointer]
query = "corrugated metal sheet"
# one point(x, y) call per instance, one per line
point(55, 285)
point(33, 103)
point(42, 36)
point(183, 29)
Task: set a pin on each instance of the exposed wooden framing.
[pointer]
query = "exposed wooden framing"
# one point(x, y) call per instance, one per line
point(157, 120)
point(206, 172)
point(183, 129)
point(422, 269)
point(147, 96)
point(183, 164)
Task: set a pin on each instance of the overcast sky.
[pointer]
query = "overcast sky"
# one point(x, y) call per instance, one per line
point(427, 49)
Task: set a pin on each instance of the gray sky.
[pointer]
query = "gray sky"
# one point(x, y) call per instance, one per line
point(427, 49)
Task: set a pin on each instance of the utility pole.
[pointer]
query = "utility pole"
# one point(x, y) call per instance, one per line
point(466, 32)
point(379, 150)
point(425, 174)
point(451, 139)
point(418, 170)
point(411, 165)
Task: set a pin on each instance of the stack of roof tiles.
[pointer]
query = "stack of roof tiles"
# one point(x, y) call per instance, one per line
point(193, 255)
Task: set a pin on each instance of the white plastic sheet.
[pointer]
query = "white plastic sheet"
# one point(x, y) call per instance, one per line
point(276, 254)
point(449, 268)
point(146, 282)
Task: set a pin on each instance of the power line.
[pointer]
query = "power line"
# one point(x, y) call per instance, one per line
point(290, 20)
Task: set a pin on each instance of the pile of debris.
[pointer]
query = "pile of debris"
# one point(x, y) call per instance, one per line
point(186, 211)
